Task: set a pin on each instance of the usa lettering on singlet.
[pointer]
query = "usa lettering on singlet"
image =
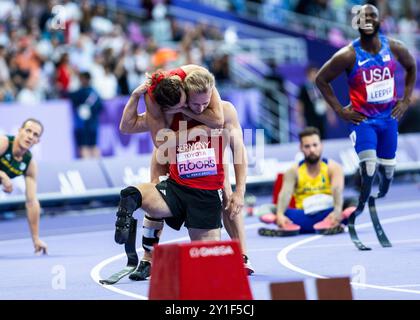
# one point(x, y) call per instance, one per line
point(371, 81)
point(379, 85)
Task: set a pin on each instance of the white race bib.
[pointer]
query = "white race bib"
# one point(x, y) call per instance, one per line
point(381, 91)
point(317, 203)
point(196, 163)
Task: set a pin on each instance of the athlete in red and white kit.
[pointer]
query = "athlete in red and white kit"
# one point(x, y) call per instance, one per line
point(166, 94)
point(194, 191)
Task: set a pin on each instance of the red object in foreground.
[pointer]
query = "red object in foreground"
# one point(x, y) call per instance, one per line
point(210, 270)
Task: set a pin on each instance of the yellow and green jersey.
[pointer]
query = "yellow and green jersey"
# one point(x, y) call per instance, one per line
point(10, 165)
point(308, 186)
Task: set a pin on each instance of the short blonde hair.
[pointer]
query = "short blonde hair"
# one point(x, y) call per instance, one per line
point(199, 81)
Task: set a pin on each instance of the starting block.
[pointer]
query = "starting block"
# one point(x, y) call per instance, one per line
point(288, 291)
point(200, 270)
point(327, 289)
point(334, 289)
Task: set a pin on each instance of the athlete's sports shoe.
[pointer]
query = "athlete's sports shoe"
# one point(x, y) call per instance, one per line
point(247, 265)
point(143, 271)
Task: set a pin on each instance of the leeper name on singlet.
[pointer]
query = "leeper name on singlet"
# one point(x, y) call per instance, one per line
point(196, 160)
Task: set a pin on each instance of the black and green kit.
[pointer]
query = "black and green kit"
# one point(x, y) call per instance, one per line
point(10, 165)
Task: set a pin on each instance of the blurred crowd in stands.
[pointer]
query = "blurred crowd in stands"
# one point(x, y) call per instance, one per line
point(398, 17)
point(45, 45)
point(396, 14)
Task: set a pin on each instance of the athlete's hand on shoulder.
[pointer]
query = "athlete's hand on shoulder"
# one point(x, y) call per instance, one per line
point(40, 246)
point(348, 114)
point(235, 204)
point(282, 221)
point(6, 183)
point(142, 88)
point(399, 109)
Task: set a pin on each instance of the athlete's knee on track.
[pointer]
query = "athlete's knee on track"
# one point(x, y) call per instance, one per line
point(130, 200)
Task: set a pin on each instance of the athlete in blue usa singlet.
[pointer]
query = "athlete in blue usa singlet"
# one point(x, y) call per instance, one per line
point(374, 111)
point(373, 94)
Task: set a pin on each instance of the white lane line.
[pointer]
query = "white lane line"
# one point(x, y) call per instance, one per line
point(95, 273)
point(282, 256)
point(352, 245)
point(405, 286)
point(334, 245)
point(385, 288)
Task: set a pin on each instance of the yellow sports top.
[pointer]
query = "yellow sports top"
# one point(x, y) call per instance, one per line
point(308, 186)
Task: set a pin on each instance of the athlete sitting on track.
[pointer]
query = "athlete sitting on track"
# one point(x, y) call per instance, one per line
point(317, 186)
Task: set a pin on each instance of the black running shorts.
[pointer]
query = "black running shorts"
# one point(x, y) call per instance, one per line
point(199, 209)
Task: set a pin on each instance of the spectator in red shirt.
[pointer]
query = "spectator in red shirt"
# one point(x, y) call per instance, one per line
point(63, 75)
